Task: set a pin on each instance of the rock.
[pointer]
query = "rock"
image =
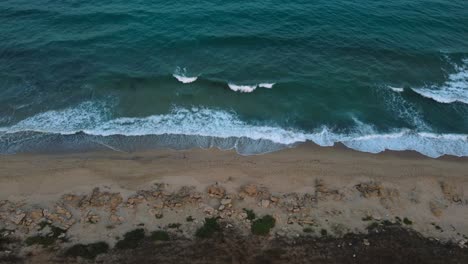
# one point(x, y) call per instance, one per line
point(366, 242)
point(463, 243)
point(221, 207)
point(226, 201)
point(35, 215)
point(159, 205)
point(216, 191)
point(250, 189)
point(370, 189)
point(274, 199)
point(17, 218)
point(436, 208)
point(208, 210)
point(62, 211)
point(242, 215)
point(265, 203)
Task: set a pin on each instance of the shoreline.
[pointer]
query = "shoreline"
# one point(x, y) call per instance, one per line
point(101, 196)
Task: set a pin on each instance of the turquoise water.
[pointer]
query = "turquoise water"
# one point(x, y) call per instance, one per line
point(256, 76)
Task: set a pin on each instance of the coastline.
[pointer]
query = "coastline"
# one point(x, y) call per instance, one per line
point(335, 189)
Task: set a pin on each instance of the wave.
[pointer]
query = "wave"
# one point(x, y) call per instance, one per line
point(242, 88)
point(181, 75)
point(93, 119)
point(266, 85)
point(249, 88)
point(455, 89)
point(396, 89)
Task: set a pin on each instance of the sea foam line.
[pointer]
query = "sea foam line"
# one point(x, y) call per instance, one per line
point(93, 119)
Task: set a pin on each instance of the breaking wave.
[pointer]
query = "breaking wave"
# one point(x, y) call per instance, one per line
point(249, 88)
point(455, 89)
point(94, 119)
point(181, 75)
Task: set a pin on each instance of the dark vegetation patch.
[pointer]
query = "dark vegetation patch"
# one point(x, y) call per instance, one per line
point(262, 226)
point(406, 221)
point(174, 225)
point(250, 214)
point(89, 251)
point(132, 239)
point(209, 228)
point(48, 239)
point(159, 235)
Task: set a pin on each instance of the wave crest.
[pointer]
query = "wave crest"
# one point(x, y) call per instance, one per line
point(181, 75)
point(455, 89)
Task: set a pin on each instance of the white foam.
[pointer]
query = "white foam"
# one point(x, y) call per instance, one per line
point(455, 89)
point(242, 88)
point(92, 118)
point(180, 75)
point(266, 85)
point(396, 89)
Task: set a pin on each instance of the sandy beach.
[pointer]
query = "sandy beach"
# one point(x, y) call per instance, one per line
point(306, 189)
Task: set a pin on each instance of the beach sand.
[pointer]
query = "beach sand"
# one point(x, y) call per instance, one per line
point(334, 189)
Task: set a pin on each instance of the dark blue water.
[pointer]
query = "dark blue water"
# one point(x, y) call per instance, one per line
point(256, 76)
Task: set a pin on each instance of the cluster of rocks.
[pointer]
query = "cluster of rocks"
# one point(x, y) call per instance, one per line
point(102, 206)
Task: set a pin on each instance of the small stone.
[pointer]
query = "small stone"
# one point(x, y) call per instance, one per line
point(274, 199)
point(265, 203)
point(366, 242)
point(242, 215)
point(226, 201)
point(221, 207)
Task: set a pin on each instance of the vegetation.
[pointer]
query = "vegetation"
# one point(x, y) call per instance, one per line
point(174, 225)
point(210, 227)
point(190, 218)
point(324, 232)
point(308, 230)
point(250, 214)
point(367, 218)
point(406, 221)
point(47, 239)
point(131, 239)
point(89, 251)
point(263, 225)
point(159, 235)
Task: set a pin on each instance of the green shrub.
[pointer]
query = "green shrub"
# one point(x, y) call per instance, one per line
point(250, 214)
point(89, 251)
point(308, 230)
point(367, 218)
point(406, 221)
point(190, 218)
point(263, 225)
point(324, 232)
point(160, 235)
point(210, 227)
point(131, 240)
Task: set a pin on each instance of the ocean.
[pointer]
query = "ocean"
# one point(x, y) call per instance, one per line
point(254, 76)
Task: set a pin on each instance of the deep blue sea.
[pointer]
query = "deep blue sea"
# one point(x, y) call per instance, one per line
point(255, 76)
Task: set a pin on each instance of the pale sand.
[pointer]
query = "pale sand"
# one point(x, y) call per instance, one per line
point(290, 170)
point(404, 184)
